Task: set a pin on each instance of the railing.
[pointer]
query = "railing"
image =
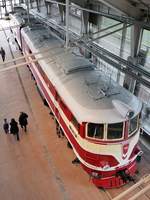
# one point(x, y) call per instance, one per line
point(112, 59)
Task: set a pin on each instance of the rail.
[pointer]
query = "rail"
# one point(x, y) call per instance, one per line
point(146, 183)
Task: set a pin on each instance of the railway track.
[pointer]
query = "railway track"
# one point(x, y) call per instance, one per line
point(137, 191)
point(140, 190)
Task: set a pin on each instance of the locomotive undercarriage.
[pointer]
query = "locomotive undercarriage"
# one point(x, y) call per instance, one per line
point(113, 179)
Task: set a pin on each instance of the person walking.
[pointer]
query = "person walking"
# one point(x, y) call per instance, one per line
point(2, 51)
point(23, 120)
point(6, 126)
point(14, 128)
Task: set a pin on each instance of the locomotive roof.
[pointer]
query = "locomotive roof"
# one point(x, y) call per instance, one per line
point(91, 95)
point(21, 17)
point(17, 18)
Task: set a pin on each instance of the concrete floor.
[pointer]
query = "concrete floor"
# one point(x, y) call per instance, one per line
point(39, 166)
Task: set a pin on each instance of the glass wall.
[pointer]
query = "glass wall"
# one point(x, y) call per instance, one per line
point(6, 6)
point(112, 42)
point(145, 45)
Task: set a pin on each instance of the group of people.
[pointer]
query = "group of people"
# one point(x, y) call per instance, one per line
point(2, 52)
point(13, 128)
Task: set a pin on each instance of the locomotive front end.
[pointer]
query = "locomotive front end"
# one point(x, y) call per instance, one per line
point(114, 150)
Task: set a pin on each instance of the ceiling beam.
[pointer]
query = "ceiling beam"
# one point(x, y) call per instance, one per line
point(124, 7)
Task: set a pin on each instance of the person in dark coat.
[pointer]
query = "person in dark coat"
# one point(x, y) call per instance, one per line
point(6, 126)
point(2, 51)
point(14, 128)
point(23, 120)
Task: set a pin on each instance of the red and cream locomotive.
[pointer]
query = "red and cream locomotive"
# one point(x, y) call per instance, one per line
point(99, 118)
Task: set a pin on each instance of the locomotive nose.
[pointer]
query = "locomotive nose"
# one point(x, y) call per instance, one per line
point(123, 109)
point(125, 148)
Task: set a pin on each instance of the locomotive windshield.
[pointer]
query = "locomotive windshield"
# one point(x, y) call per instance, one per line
point(95, 130)
point(115, 131)
point(133, 125)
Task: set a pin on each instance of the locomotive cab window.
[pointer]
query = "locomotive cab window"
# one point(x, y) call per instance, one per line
point(95, 130)
point(133, 125)
point(115, 131)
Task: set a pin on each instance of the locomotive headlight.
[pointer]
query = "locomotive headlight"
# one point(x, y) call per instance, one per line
point(95, 174)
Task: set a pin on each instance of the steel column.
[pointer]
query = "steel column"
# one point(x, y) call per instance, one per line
point(28, 14)
point(67, 23)
point(123, 39)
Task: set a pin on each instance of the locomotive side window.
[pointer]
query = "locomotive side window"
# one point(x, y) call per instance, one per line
point(114, 131)
point(133, 125)
point(95, 130)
